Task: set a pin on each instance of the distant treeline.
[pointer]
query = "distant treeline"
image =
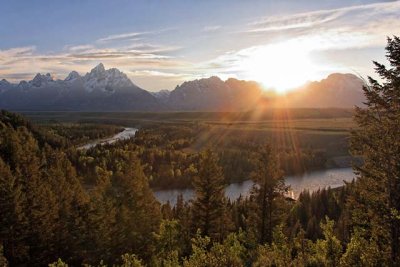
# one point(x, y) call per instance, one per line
point(142, 118)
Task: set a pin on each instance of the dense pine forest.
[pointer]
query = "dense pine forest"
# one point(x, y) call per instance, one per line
point(63, 206)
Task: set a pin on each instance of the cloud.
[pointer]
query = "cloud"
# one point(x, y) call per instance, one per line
point(17, 52)
point(356, 17)
point(132, 36)
point(151, 48)
point(79, 47)
point(212, 28)
point(303, 20)
point(344, 31)
point(157, 73)
point(122, 37)
point(23, 62)
point(116, 53)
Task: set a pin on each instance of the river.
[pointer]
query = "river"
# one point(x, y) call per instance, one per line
point(311, 181)
point(125, 134)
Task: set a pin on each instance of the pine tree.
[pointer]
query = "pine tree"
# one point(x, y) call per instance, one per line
point(276, 254)
point(361, 252)
point(138, 214)
point(267, 195)
point(375, 204)
point(329, 250)
point(70, 197)
point(102, 217)
point(181, 212)
point(208, 212)
point(169, 245)
point(12, 220)
point(304, 250)
point(3, 260)
point(20, 150)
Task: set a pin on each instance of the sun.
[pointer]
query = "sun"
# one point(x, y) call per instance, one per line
point(281, 67)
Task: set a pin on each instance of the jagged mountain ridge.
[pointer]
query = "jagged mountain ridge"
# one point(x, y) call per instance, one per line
point(112, 90)
point(213, 94)
point(162, 95)
point(98, 90)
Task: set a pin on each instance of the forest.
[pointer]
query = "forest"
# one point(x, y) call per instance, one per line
point(61, 206)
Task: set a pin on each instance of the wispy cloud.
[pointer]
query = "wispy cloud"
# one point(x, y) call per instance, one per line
point(132, 36)
point(212, 28)
point(157, 73)
point(310, 34)
point(26, 61)
point(151, 48)
point(122, 37)
point(358, 17)
point(17, 52)
point(79, 47)
point(303, 20)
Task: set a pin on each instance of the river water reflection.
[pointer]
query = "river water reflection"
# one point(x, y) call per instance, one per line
point(125, 134)
point(311, 181)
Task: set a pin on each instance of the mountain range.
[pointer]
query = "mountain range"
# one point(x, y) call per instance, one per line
point(112, 90)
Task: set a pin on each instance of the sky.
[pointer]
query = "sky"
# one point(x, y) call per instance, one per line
point(160, 44)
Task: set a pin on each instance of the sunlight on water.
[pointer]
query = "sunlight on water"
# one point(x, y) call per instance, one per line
point(311, 181)
point(125, 134)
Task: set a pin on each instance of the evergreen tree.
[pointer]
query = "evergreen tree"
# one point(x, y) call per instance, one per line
point(168, 241)
point(58, 263)
point(276, 254)
point(304, 250)
point(205, 254)
point(102, 218)
point(138, 215)
point(3, 260)
point(131, 260)
point(208, 212)
point(181, 212)
point(60, 175)
point(361, 252)
point(267, 195)
point(12, 220)
point(375, 204)
point(329, 250)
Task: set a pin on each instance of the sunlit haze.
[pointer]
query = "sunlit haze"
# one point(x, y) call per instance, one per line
point(280, 67)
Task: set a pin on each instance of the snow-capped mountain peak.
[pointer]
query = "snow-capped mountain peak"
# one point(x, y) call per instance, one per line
point(41, 79)
point(4, 82)
point(106, 80)
point(98, 90)
point(72, 76)
point(98, 69)
point(162, 95)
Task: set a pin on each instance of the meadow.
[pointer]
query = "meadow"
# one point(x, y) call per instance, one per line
point(323, 130)
point(307, 139)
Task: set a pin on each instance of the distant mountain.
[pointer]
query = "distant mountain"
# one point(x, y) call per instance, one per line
point(112, 90)
point(213, 94)
point(337, 90)
point(98, 90)
point(162, 95)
